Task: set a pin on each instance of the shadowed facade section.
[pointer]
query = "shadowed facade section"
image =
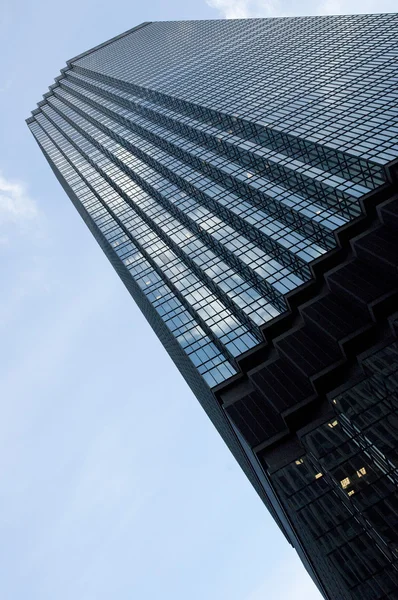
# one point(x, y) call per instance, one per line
point(240, 176)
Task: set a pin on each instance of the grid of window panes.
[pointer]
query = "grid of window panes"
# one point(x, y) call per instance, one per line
point(330, 80)
point(344, 490)
point(220, 155)
point(180, 297)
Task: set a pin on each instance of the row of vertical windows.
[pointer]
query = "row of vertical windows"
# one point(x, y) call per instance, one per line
point(344, 489)
point(201, 350)
point(175, 234)
point(328, 80)
point(256, 259)
point(227, 192)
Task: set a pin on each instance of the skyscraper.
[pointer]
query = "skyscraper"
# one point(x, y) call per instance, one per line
point(240, 177)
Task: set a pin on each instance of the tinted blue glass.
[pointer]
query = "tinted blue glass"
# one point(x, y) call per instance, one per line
point(218, 158)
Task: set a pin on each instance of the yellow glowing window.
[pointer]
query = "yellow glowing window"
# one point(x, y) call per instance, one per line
point(299, 461)
point(318, 475)
point(334, 401)
point(345, 482)
point(333, 424)
point(351, 492)
point(361, 472)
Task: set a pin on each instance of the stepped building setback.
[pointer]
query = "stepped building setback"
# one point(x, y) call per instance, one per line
point(241, 177)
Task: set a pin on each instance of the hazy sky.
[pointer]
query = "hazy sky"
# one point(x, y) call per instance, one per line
point(113, 483)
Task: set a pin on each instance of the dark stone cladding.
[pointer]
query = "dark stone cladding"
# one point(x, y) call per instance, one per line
point(312, 349)
point(202, 392)
point(287, 383)
point(286, 387)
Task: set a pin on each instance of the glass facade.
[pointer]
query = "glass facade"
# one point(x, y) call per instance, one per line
point(219, 157)
point(344, 489)
point(216, 163)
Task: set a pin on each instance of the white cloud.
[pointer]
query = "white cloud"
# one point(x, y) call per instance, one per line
point(346, 7)
point(19, 213)
point(21, 236)
point(242, 9)
point(6, 85)
point(15, 203)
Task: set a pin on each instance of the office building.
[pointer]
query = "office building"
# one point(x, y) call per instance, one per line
point(241, 178)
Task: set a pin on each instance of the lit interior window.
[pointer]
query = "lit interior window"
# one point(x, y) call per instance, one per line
point(351, 492)
point(318, 475)
point(333, 424)
point(299, 461)
point(345, 482)
point(361, 472)
point(334, 401)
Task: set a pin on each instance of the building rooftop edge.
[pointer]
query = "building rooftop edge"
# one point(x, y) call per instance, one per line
point(116, 37)
point(69, 63)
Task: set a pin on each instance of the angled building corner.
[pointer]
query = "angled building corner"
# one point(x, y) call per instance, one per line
point(241, 177)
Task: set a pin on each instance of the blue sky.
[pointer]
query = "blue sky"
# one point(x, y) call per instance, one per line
point(114, 484)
